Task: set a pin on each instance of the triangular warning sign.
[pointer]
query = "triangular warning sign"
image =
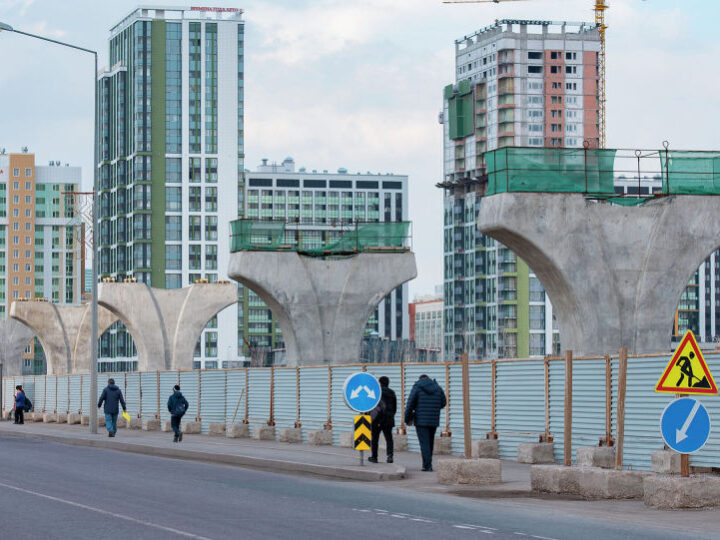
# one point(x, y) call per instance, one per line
point(687, 372)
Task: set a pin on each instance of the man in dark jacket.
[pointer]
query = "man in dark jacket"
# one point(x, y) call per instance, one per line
point(19, 405)
point(423, 409)
point(383, 421)
point(177, 406)
point(111, 396)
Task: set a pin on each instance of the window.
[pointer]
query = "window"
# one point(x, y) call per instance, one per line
point(211, 165)
point(173, 170)
point(536, 128)
point(173, 199)
point(556, 99)
point(28, 173)
point(571, 69)
point(195, 173)
point(556, 86)
point(173, 281)
point(570, 86)
point(535, 113)
point(210, 227)
point(173, 257)
point(211, 199)
point(16, 212)
point(27, 225)
point(554, 55)
point(16, 185)
point(570, 56)
point(534, 55)
point(194, 199)
point(173, 228)
point(555, 114)
point(536, 69)
point(16, 226)
point(554, 69)
point(194, 256)
point(555, 127)
point(194, 228)
point(16, 172)
point(211, 257)
point(28, 199)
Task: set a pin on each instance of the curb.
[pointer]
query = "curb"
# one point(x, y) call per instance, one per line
point(274, 465)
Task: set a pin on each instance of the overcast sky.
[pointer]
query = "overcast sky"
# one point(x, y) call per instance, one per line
point(358, 84)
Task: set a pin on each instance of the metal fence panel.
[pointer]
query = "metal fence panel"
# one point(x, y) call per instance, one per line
point(285, 394)
point(557, 406)
point(259, 395)
point(189, 389)
point(520, 404)
point(341, 414)
point(131, 391)
point(75, 391)
point(62, 395)
point(314, 399)
point(212, 398)
point(588, 408)
point(480, 399)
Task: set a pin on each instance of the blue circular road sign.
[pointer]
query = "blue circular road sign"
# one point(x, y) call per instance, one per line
point(362, 392)
point(685, 425)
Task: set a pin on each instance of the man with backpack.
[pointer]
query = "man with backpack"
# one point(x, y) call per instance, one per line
point(423, 409)
point(177, 406)
point(19, 404)
point(383, 420)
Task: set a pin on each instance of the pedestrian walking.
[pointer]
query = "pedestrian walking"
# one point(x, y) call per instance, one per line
point(383, 420)
point(423, 410)
point(177, 406)
point(19, 404)
point(112, 397)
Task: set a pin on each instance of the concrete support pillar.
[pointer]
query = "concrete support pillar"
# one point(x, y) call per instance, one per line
point(321, 304)
point(613, 273)
point(14, 338)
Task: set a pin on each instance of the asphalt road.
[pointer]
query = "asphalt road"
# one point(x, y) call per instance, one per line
point(54, 491)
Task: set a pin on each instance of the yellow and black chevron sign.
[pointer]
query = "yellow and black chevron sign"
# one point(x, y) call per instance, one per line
point(363, 432)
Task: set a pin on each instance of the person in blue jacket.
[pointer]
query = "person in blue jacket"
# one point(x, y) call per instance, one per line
point(177, 407)
point(19, 405)
point(423, 409)
point(111, 396)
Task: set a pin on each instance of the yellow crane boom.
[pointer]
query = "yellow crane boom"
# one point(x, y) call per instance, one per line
point(600, 7)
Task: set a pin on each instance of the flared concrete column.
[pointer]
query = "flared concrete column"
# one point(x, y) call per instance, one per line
point(165, 324)
point(14, 338)
point(63, 332)
point(614, 274)
point(321, 305)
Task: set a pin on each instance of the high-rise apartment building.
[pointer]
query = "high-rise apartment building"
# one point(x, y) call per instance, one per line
point(426, 324)
point(518, 83)
point(323, 204)
point(171, 161)
point(42, 252)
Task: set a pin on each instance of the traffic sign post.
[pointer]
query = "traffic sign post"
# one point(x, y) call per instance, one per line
point(362, 393)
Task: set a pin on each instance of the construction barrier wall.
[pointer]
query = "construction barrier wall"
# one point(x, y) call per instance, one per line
point(529, 399)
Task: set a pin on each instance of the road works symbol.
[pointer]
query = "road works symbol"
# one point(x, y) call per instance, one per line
point(362, 392)
point(687, 372)
point(685, 425)
point(363, 433)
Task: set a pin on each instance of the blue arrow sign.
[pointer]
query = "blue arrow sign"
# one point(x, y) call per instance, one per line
point(685, 425)
point(362, 392)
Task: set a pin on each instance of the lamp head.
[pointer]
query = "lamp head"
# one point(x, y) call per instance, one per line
point(5, 27)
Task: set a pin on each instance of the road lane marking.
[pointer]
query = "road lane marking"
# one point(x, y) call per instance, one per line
point(106, 512)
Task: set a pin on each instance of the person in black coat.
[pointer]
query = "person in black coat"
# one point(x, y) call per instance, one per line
point(111, 396)
point(383, 421)
point(423, 410)
point(177, 407)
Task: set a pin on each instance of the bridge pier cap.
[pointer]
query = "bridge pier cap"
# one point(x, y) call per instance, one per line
point(614, 274)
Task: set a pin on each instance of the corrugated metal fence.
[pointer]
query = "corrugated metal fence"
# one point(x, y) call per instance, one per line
point(529, 399)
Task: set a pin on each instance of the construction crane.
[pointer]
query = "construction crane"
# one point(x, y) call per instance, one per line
point(600, 7)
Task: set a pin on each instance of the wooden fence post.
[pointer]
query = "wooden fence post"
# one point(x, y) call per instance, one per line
point(157, 387)
point(246, 419)
point(298, 423)
point(622, 385)
point(467, 428)
point(567, 442)
point(493, 400)
point(199, 398)
point(447, 432)
point(546, 437)
point(608, 439)
point(328, 424)
point(271, 420)
point(402, 430)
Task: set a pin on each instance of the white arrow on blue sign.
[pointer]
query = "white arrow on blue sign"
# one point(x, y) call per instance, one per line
point(685, 425)
point(362, 392)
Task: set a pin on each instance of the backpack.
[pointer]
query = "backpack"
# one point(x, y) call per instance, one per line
point(28, 404)
point(378, 413)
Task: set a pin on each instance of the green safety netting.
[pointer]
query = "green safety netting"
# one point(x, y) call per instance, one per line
point(628, 201)
point(558, 170)
point(690, 173)
point(258, 235)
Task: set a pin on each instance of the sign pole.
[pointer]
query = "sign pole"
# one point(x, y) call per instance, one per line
point(684, 458)
point(362, 459)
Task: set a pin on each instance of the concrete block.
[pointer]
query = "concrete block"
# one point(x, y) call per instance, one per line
point(134, 423)
point(192, 428)
point(485, 448)
point(50, 418)
point(264, 433)
point(596, 456)
point(673, 492)
point(346, 439)
point(443, 446)
point(165, 426)
point(151, 424)
point(216, 429)
point(34, 417)
point(665, 462)
point(596, 483)
point(555, 479)
point(469, 471)
point(399, 443)
point(536, 453)
point(237, 431)
point(319, 437)
point(290, 435)
point(74, 418)
point(62, 418)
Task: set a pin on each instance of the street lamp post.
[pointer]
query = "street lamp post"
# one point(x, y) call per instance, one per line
point(96, 156)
